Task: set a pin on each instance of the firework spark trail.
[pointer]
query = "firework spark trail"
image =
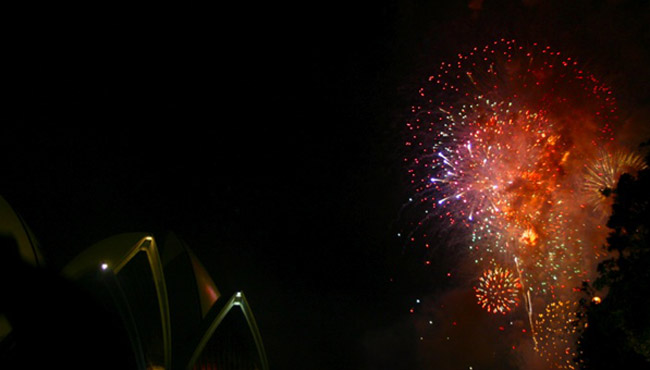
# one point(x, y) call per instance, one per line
point(527, 303)
point(498, 141)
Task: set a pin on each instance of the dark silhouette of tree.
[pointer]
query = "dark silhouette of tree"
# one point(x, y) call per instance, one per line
point(617, 335)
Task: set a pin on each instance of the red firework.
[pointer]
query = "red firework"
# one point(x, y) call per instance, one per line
point(497, 290)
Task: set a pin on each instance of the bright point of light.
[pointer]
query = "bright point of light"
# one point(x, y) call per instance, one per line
point(104, 266)
point(238, 294)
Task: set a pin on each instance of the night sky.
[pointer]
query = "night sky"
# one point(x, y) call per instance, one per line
point(269, 137)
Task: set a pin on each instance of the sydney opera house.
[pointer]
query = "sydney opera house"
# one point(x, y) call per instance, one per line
point(131, 301)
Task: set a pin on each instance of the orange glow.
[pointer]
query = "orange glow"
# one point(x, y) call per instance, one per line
point(529, 237)
point(565, 157)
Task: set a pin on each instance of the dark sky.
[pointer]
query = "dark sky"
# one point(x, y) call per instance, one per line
point(268, 137)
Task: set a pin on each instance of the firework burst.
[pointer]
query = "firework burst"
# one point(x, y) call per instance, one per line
point(556, 334)
point(602, 174)
point(497, 290)
point(497, 142)
point(494, 131)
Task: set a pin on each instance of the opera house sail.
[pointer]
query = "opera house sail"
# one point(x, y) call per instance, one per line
point(171, 312)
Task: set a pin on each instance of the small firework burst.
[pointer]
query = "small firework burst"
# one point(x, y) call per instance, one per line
point(497, 290)
point(602, 174)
